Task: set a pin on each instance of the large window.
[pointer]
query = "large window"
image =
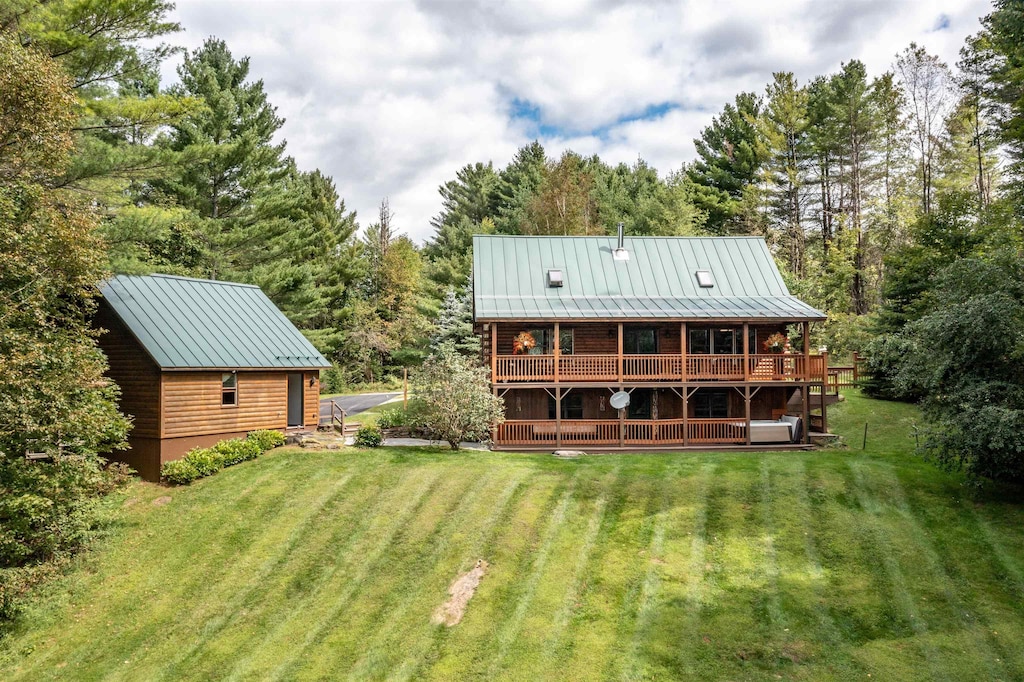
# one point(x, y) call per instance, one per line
point(572, 406)
point(711, 404)
point(716, 341)
point(639, 404)
point(228, 389)
point(545, 340)
point(639, 341)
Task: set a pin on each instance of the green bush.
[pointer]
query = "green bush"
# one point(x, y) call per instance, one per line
point(206, 461)
point(238, 450)
point(393, 417)
point(369, 436)
point(179, 472)
point(266, 439)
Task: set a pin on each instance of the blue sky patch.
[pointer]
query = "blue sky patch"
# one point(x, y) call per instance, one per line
point(942, 23)
point(526, 111)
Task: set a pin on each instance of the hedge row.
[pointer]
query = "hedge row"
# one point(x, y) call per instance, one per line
point(202, 462)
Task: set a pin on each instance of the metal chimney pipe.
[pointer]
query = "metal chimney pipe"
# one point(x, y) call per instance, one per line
point(620, 253)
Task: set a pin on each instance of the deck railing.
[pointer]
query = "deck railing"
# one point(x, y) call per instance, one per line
point(630, 432)
point(664, 367)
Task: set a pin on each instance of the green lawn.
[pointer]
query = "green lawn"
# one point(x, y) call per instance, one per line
point(836, 564)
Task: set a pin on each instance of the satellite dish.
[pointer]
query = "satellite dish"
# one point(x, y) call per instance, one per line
point(619, 400)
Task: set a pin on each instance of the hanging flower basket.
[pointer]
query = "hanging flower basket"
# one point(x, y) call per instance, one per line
point(523, 342)
point(775, 343)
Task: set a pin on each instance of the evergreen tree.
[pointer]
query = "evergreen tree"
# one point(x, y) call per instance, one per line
point(517, 184)
point(564, 203)
point(729, 161)
point(454, 324)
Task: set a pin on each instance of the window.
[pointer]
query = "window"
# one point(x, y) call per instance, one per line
point(704, 279)
point(726, 341)
point(700, 341)
point(565, 341)
point(572, 406)
point(639, 341)
point(639, 404)
point(711, 404)
point(228, 389)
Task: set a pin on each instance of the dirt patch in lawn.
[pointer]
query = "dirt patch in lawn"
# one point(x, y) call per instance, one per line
point(161, 501)
point(460, 592)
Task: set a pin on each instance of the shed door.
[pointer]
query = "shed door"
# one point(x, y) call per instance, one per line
point(295, 400)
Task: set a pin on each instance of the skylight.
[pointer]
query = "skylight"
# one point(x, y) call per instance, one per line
point(555, 278)
point(704, 279)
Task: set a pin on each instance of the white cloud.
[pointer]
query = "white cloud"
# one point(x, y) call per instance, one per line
point(391, 98)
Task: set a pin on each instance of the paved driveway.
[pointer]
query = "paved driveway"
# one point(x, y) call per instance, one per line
point(354, 404)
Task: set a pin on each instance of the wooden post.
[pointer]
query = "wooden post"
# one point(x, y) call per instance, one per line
point(746, 353)
point(824, 412)
point(558, 416)
point(619, 359)
point(807, 350)
point(856, 366)
point(494, 352)
point(807, 412)
point(622, 428)
point(746, 401)
point(682, 351)
point(557, 350)
point(686, 424)
point(405, 388)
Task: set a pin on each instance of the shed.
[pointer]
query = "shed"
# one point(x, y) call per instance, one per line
point(199, 361)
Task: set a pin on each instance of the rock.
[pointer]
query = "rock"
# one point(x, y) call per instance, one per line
point(568, 454)
point(333, 446)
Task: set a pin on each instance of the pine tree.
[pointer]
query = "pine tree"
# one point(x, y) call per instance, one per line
point(454, 324)
point(517, 184)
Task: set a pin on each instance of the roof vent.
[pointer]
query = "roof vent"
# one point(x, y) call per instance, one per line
point(620, 253)
point(704, 279)
point(555, 278)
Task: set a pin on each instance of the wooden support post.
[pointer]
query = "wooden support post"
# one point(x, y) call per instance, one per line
point(618, 361)
point(807, 411)
point(558, 416)
point(746, 409)
point(494, 352)
point(856, 366)
point(682, 351)
point(807, 350)
point(622, 428)
point(686, 418)
point(746, 352)
point(405, 388)
point(557, 350)
point(824, 412)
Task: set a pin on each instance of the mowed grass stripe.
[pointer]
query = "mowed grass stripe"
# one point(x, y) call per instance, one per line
point(345, 604)
point(630, 665)
point(468, 649)
point(297, 628)
point(355, 648)
point(127, 629)
point(400, 650)
point(671, 640)
point(275, 549)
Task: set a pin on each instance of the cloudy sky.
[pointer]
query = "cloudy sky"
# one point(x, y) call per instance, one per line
point(391, 98)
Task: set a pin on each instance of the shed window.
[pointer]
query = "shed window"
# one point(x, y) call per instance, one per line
point(228, 389)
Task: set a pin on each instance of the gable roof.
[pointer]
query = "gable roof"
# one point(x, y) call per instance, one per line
point(186, 323)
point(510, 279)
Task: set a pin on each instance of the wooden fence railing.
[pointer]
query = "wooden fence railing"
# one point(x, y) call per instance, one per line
point(612, 432)
point(668, 367)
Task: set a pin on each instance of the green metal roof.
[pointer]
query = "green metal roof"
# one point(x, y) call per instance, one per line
point(186, 323)
point(510, 279)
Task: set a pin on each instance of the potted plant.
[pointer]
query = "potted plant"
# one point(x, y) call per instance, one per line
point(523, 343)
point(776, 343)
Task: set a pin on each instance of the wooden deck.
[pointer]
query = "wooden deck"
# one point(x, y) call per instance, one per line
point(625, 433)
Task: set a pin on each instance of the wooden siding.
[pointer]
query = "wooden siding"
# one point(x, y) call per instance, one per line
point(133, 371)
point(192, 403)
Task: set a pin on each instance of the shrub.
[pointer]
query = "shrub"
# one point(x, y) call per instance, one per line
point(393, 417)
point(206, 461)
point(238, 450)
point(369, 436)
point(454, 399)
point(266, 439)
point(179, 472)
